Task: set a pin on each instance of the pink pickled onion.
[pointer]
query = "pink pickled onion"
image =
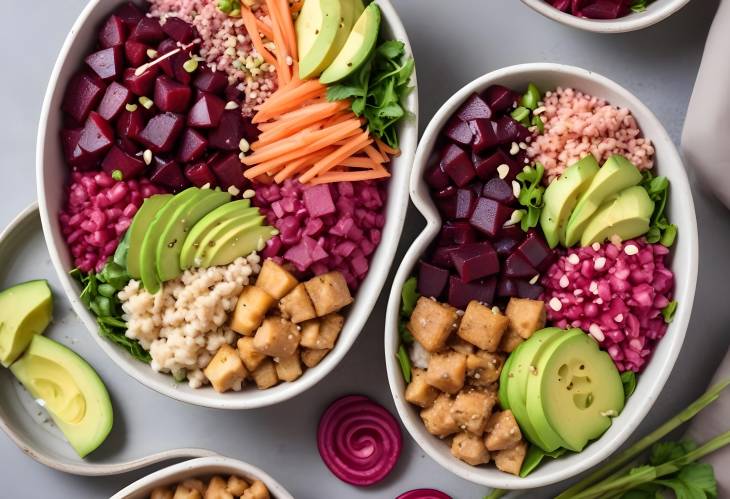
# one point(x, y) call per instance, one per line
point(423, 494)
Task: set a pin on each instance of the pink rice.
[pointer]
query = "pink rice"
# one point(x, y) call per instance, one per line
point(577, 124)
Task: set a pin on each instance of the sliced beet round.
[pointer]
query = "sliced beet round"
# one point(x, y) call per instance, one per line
point(108, 63)
point(113, 33)
point(82, 95)
point(97, 135)
point(229, 171)
point(179, 30)
point(192, 146)
point(135, 53)
point(148, 30)
point(114, 100)
point(167, 172)
point(423, 494)
point(206, 112)
point(117, 159)
point(171, 96)
point(161, 132)
point(199, 175)
point(214, 82)
point(140, 84)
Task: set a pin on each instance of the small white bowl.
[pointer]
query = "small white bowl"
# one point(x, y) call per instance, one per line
point(52, 172)
point(655, 12)
point(683, 264)
point(202, 468)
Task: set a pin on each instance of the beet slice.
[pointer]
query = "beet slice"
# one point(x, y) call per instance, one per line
point(457, 165)
point(500, 98)
point(199, 175)
point(108, 63)
point(206, 112)
point(229, 171)
point(485, 134)
point(167, 172)
point(192, 146)
point(517, 265)
point(437, 178)
point(161, 132)
point(432, 280)
point(489, 216)
point(441, 256)
point(474, 108)
point(423, 494)
point(214, 82)
point(475, 261)
point(527, 290)
point(466, 200)
point(458, 131)
point(117, 159)
point(487, 167)
point(461, 293)
point(535, 250)
point(148, 30)
point(231, 129)
point(507, 288)
point(499, 190)
point(459, 232)
point(233, 93)
point(140, 84)
point(114, 100)
point(97, 135)
point(135, 53)
point(178, 66)
point(509, 130)
point(167, 46)
point(130, 125)
point(505, 246)
point(113, 33)
point(179, 30)
point(130, 14)
point(82, 95)
point(171, 96)
point(75, 156)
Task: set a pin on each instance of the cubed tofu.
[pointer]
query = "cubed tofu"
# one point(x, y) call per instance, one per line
point(296, 305)
point(525, 316)
point(161, 493)
point(438, 419)
point(288, 368)
point(432, 322)
point(265, 375)
point(195, 484)
point(217, 489)
point(459, 345)
point(321, 334)
point(251, 308)
point(419, 392)
point(277, 337)
point(510, 340)
point(226, 371)
point(182, 492)
point(469, 448)
point(257, 490)
point(472, 409)
point(236, 485)
point(483, 368)
point(503, 432)
point(249, 355)
point(510, 460)
point(312, 357)
point(482, 326)
point(275, 279)
point(446, 371)
point(328, 292)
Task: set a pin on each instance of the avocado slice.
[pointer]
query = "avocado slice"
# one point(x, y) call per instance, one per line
point(322, 28)
point(249, 218)
point(616, 174)
point(141, 221)
point(170, 242)
point(72, 392)
point(25, 311)
point(576, 391)
point(561, 196)
point(240, 241)
point(626, 216)
point(357, 48)
point(207, 224)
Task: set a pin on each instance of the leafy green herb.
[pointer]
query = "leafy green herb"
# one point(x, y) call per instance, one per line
point(660, 230)
point(405, 363)
point(534, 457)
point(669, 310)
point(639, 5)
point(409, 296)
point(496, 494)
point(531, 192)
point(628, 379)
point(378, 88)
point(114, 330)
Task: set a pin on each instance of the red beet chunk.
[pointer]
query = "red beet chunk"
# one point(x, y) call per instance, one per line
point(129, 146)
point(489, 216)
point(536, 251)
point(75, 156)
point(113, 33)
point(199, 175)
point(487, 167)
point(507, 288)
point(167, 46)
point(167, 172)
point(456, 233)
point(147, 30)
point(485, 134)
point(447, 193)
point(499, 190)
point(232, 92)
point(171, 96)
point(130, 125)
point(135, 53)
point(192, 146)
point(505, 246)
point(474, 108)
point(527, 290)
point(474, 261)
point(318, 201)
point(178, 61)
point(82, 95)
point(117, 159)
point(229, 171)
point(457, 165)
point(442, 256)
point(500, 98)
point(432, 280)
point(161, 132)
point(465, 202)
point(509, 130)
point(447, 207)
point(437, 178)
point(114, 100)
point(142, 84)
point(227, 136)
point(517, 266)
point(458, 131)
point(179, 30)
point(214, 82)
point(461, 293)
point(130, 14)
point(97, 135)
point(206, 112)
point(108, 64)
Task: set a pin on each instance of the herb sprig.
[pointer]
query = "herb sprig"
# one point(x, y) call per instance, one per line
point(409, 297)
point(660, 230)
point(531, 193)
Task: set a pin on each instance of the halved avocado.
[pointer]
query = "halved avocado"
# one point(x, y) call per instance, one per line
point(248, 219)
point(322, 28)
point(141, 221)
point(627, 216)
point(240, 241)
point(357, 48)
point(25, 311)
point(72, 392)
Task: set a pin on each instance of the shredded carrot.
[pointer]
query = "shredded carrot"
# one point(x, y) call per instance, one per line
point(287, 27)
point(330, 177)
point(298, 165)
point(342, 152)
point(264, 29)
point(385, 149)
point(282, 51)
point(296, 7)
point(249, 21)
point(297, 97)
point(374, 154)
point(287, 127)
point(359, 162)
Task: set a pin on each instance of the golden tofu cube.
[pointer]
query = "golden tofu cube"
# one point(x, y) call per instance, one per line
point(225, 371)
point(275, 279)
point(257, 490)
point(510, 340)
point(310, 334)
point(236, 485)
point(438, 419)
point(432, 322)
point(277, 337)
point(469, 448)
point(312, 357)
point(482, 327)
point(525, 316)
point(472, 408)
point(161, 493)
point(322, 334)
point(251, 308)
point(182, 492)
point(249, 355)
point(446, 371)
point(217, 489)
point(483, 368)
point(288, 368)
point(459, 345)
point(503, 432)
point(510, 460)
point(265, 375)
point(328, 292)
point(297, 306)
point(419, 392)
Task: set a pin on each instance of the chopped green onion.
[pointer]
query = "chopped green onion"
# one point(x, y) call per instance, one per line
point(131, 107)
point(190, 65)
point(531, 97)
point(538, 123)
point(521, 114)
point(669, 310)
point(146, 102)
point(628, 379)
point(670, 234)
point(117, 175)
point(405, 363)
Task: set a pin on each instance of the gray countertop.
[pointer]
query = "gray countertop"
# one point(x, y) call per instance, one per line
point(454, 42)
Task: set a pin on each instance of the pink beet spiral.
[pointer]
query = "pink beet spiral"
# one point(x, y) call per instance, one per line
point(359, 440)
point(424, 494)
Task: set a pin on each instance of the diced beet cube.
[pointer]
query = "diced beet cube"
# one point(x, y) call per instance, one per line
point(449, 192)
point(474, 261)
point(148, 30)
point(129, 165)
point(167, 172)
point(113, 33)
point(474, 108)
point(530, 291)
point(458, 131)
point(500, 98)
point(114, 100)
point(166, 46)
point(505, 246)
point(517, 266)
point(485, 134)
point(82, 95)
point(499, 190)
point(232, 92)
point(192, 146)
point(536, 251)
point(178, 66)
point(456, 233)
point(447, 207)
point(97, 135)
point(441, 256)
point(214, 82)
point(135, 53)
point(179, 30)
point(130, 125)
point(227, 136)
point(487, 167)
point(461, 293)
point(229, 171)
point(199, 175)
point(129, 146)
point(509, 130)
point(457, 165)
point(318, 200)
point(489, 216)
point(171, 96)
point(75, 156)
point(465, 202)
point(432, 280)
point(108, 64)
point(206, 112)
point(437, 178)
point(507, 287)
point(142, 84)
point(130, 14)
point(161, 132)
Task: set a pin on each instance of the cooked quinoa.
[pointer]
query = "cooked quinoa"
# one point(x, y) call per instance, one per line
point(185, 323)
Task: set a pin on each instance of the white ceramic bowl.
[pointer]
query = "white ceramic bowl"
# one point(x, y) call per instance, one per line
point(657, 11)
point(52, 174)
point(683, 264)
point(203, 467)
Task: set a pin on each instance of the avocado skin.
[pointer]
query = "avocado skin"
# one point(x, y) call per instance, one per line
point(25, 311)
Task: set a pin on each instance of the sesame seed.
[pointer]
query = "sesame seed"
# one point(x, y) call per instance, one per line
point(593, 287)
point(503, 170)
point(539, 110)
point(233, 191)
point(631, 249)
point(619, 318)
point(516, 188)
point(599, 263)
point(231, 105)
point(596, 332)
point(151, 53)
point(147, 156)
point(248, 193)
point(495, 310)
point(573, 259)
point(522, 145)
point(598, 301)
point(514, 149)
point(534, 279)
point(564, 281)
point(555, 304)
point(514, 218)
point(206, 185)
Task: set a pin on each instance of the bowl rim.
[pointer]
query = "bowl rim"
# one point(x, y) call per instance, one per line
point(685, 294)
point(397, 203)
point(630, 22)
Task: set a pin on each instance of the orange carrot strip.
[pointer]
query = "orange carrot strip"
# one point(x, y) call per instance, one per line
point(385, 149)
point(284, 127)
point(283, 93)
point(282, 51)
point(249, 21)
point(300, 164)
point(287, 26)
point(282, 147)
point(258, 145)
point(333, 159)
point(330, 177)
point(375, 155)
point(315, 107)
point(295, 99)
point(296, 7)
point(264, 29)
point(358, 162)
